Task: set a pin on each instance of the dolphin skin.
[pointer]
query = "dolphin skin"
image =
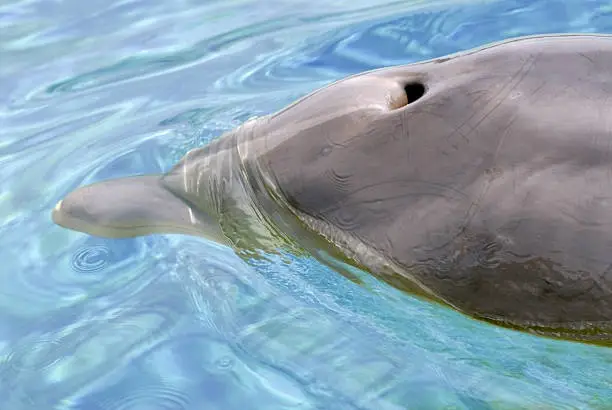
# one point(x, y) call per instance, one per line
point(481, 180)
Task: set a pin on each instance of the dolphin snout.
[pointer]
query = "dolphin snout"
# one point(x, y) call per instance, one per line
point(73, 210)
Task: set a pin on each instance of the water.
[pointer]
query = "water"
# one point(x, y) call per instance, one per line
point(100, 89)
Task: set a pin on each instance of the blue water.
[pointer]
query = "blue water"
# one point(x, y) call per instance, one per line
point(96, 89)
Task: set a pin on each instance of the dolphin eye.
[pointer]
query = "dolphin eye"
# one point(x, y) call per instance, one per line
point(414, 91)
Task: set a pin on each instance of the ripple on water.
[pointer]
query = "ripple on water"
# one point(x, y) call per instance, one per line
point(153, 397)
point(69, 363)
point(97, 268)
point(90, 259)
point(34, 353)
point(420, 35)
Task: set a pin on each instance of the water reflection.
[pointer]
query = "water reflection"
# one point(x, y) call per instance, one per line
point(102, 89)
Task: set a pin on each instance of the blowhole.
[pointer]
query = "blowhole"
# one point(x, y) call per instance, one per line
point(414, 91)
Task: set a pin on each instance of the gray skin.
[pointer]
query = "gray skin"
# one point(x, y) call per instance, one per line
point(490, 193)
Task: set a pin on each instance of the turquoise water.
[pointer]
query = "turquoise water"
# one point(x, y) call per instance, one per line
point(91, 90)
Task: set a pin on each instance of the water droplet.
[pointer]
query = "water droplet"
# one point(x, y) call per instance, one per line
point(224, 363)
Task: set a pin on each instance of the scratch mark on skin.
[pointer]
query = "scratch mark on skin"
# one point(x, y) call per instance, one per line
point(471, 212)
point(406, 133)
point(587, 57)
point(443, 119)
point(538, 89)
point(529, 64)
point(602, 284)
point(440, 190)
point(510, 85)
point(503, 137)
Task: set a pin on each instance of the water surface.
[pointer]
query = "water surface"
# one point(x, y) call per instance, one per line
point(91, 90)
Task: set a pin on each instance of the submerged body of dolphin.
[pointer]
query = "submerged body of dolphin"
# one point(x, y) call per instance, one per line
point(482, 180)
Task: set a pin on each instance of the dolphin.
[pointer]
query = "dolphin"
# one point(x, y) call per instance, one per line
point(481, 180)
